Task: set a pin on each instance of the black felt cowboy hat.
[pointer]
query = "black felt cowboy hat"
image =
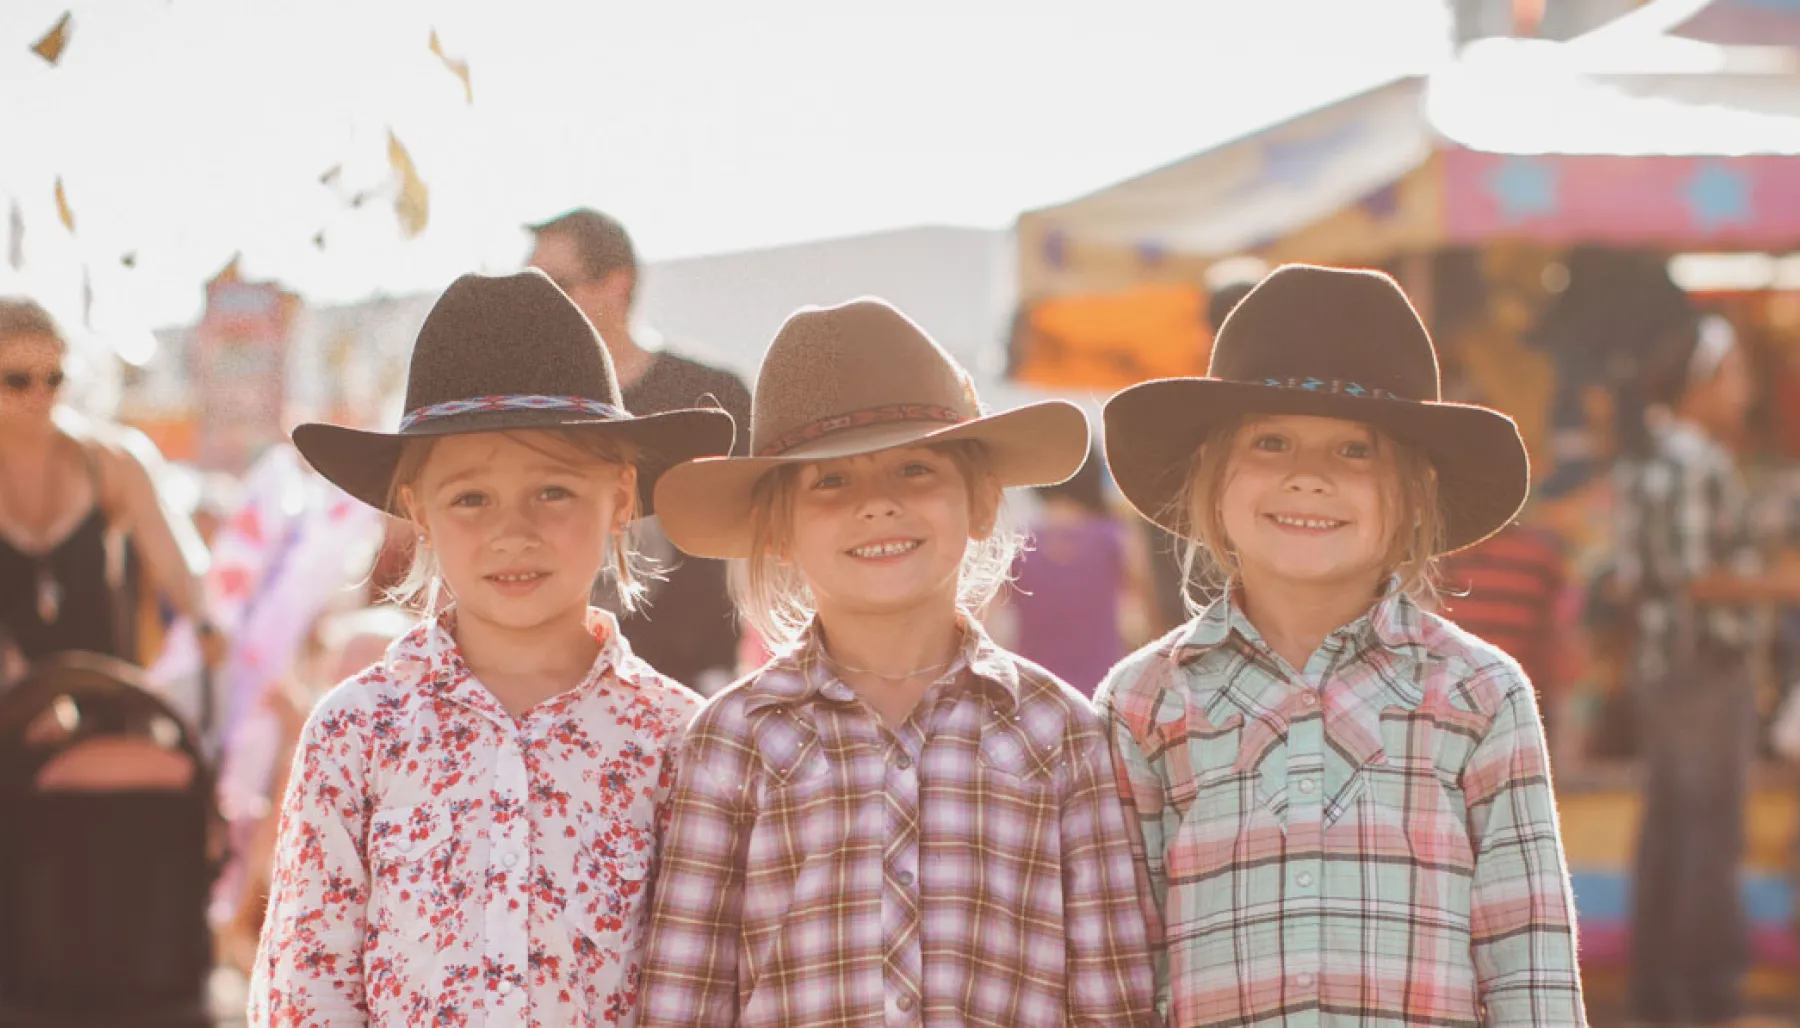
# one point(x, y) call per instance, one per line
point(853, 379)
point(1333, 343)
point(504, 353)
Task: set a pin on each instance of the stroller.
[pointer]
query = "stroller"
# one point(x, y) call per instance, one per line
point(110, 840)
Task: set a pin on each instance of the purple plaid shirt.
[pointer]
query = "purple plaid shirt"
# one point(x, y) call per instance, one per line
point(971, 868)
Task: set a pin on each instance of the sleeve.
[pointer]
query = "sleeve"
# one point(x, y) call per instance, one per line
point(1140, 790)
point(691, 959)
point(1521, 910)
point(1110, 979)
point(309, 968)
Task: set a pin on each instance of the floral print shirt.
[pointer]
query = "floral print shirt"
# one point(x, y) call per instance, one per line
point(444, 863)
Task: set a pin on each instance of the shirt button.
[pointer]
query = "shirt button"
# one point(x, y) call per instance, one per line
point(1304, 879)
point(510, 860)
point(1306, 786)
point(505, 989)
point(1304, 981)
point(904, 763)
point(1308, 698)
point(904, 1003)
point(906, 877)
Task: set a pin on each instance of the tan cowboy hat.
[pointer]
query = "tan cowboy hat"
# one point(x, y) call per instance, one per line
point(1334, 343)
point(854, 379)
point(501, 353)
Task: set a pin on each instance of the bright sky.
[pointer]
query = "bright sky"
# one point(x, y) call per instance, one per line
point(186, 130)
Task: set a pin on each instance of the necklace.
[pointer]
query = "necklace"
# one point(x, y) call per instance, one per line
point(884, 676)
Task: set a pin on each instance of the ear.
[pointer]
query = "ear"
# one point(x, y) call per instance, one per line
point(409, 503)
point(625, 503)
point(615, 288)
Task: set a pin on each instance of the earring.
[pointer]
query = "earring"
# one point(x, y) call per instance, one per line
point(424, 541)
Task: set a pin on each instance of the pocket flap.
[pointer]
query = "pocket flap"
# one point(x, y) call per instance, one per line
point(409, 833)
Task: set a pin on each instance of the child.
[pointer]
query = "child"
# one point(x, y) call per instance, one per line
point(471, 825)
point(894, 821)
point(1344, 802)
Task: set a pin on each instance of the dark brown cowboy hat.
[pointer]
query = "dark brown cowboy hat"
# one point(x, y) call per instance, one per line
point(856, 379)
point(1333, 343)
point(509, 352)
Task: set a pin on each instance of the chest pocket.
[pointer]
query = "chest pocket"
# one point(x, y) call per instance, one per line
point(1413, 804)
point(413, 871)
point(799, 785)
point(613, 869)
point(1214, 793)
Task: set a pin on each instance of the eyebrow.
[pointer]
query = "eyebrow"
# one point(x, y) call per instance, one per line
point(548, 466)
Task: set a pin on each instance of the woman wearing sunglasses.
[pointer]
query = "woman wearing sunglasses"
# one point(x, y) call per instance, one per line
point(72, 495)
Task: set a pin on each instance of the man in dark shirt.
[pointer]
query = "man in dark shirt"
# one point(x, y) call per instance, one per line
point(687, 629)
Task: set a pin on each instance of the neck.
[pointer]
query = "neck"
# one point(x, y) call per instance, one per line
point(28, 442)
point(1295, 617)
point(522, 667)
point(876, 654)
point(630, 361)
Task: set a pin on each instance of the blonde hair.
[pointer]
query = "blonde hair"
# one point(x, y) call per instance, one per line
point(771, 594)
point(1411, 503)
point(418, 588)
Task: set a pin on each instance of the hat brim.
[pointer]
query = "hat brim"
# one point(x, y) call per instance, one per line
point(705, 504)
point(1153, 431)
point(362, 463)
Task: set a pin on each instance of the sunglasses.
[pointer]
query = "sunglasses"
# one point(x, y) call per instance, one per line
point(21, 381)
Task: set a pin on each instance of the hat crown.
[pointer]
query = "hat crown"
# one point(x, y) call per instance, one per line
point(508, 335)
point(828, 362)
point(1334, 329)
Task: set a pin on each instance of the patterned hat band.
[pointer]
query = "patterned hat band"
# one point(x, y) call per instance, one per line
point(482, 404)
point(1333, 386)
point(891, 414)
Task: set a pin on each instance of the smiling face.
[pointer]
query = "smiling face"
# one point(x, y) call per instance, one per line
point(1310, 501)
point(519, 523)
point(885, 533)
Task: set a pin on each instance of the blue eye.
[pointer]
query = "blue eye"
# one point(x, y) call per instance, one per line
point(1269, 444)
point(470, 499)
point(916, 468)
point(829, 482)
point(1358, 451)
point(555, 492)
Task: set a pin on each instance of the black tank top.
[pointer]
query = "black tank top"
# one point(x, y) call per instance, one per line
point(86, 608)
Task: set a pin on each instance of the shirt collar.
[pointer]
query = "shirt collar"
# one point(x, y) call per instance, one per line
point(430, 651)
point(1394, 621)
point(801, 671)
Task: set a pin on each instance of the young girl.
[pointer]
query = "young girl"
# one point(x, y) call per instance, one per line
point(1343, 802)
point(894, 821)
point(471, 826)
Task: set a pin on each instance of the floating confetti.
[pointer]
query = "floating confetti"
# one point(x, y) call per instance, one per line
point(51, 47)
point(458, 66)
point(413, 205)
point(129, 260)
point(319, 240)
point(63, 213)
point(87, 298)
point(331, 176)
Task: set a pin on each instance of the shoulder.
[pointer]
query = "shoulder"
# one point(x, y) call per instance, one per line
point(1050, 707)
point(724, 724)
point(1467, 671)
point(683, 367)
point(1133, 690)
point(371, 704)
point(672, 702)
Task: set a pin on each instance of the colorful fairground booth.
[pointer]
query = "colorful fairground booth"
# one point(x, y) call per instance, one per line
point(1547, 206)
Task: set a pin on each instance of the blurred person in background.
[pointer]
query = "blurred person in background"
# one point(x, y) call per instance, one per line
point(1080, 584)
point(686, 628)
point(1691, 573)
point(78, 506)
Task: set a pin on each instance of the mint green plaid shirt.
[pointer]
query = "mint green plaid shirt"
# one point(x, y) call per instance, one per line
point(1371, 840)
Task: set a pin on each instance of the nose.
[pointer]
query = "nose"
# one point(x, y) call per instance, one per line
point(876, 501)
point(515, 530)
point(1307, 473)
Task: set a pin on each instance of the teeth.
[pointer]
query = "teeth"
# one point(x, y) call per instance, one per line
point(518, 578)
point(885, 549)
point(1306, 522)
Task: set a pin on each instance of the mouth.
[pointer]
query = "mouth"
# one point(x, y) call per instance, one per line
point(886, 549)
point(517, 580)
point(1306, 523)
